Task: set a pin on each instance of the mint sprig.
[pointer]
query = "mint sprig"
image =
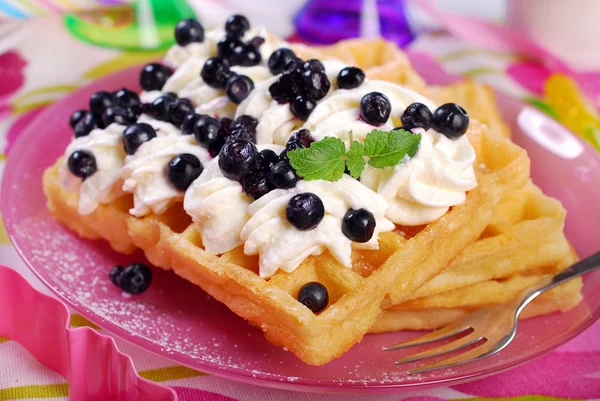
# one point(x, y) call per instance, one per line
point(327, 159)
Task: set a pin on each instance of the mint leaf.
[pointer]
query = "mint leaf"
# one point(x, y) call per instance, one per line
point(388, 148)
point(355, 160)
point(324, 160)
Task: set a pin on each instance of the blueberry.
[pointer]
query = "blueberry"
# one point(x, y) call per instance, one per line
point(183, 169)
point(237, 158)
point(244, 127)
point(154, 76)
point(283, 176)
point(215, 148)
point(226, 125)
point(88, 123)
point(279, 59)
point(255, 184)
point(99, 102)
point(283, 156)
point(314, 296)
point(267, 159)
point(206, 130)
point(451, 120)
point(172, 95)
point(135, 279)
point(237, 25)
point(245, 55)
point(188, 125)
point(358, 225)
point(160, 108)
point(119, 115)
point(350, 78)
point(179, 109)
point(216, 72)
point(76, 116)
point(115, 275)
point(299, 139)
point(82, 164)
point(302, 106)
point(188, 31)
point(305, 211)
point(417, 115)
point(315, 83)
point(135, 135)
point(313, 65)
point(375, 108)
point(238, 87)
point(126, 98)
point(226, 45)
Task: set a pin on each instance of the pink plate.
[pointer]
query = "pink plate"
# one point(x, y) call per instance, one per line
point(179, 321)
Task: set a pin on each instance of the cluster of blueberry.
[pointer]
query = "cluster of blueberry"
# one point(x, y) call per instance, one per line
point(449, 119)
point(304, 83)
point(122, 106)
point(132, 279)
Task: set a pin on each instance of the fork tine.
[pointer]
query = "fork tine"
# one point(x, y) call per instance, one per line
point(441, 334)
point(480, 352)
point(456, 345)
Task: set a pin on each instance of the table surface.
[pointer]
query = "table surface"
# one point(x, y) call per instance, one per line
point(36, 70)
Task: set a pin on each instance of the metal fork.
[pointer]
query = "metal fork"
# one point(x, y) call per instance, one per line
point(488, 330)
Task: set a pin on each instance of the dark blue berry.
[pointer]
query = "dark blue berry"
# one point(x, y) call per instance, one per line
point(358, 225)
point(154, 76)
point(283, 176)
point(417, 115)
point(305, 211)
point(244, 127)
point(188, 31)
point(226, 45)
point(216, 72)
point(99, 102)
point(76, 116)
point(179, 109)
point(451, 120)
point(135, 278)
point(237, 158)
point(215, 148)
point(126, 98)
point(313, 65)
point(206, 130)
point(238, 87)
point(302, 106)
point(135, 135)
point(172, 95)
point(119, 115)
point(160, 108)
point(188, 125)
point(255, 184)
point(267, 159)
point(183, 169)
point(88, 123)
point(283, 156)
point(350, 78)
point(237, 25)
point(375, 108)
point(245, 55)
point(299, 139)
point(315, 83)
point(82, 164)
point(287, 87)
point(314, 296)
point(115, 275)
point(279, 59)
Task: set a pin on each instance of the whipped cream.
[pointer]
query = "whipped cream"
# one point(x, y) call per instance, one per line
point(104, 185)
point(144, 174)
point(280, 245)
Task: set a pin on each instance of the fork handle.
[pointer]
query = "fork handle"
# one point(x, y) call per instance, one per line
point(578, 269)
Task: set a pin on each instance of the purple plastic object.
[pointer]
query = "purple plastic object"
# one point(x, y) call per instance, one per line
point(179, 321)
point(95, 368)
point(328, 21)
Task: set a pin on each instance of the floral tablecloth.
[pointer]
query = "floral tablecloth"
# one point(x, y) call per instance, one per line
point(43, 59)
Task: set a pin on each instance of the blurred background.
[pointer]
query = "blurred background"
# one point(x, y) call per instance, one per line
point(543, 52)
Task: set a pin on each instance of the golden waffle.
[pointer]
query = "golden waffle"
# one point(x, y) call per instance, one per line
point(358, 295)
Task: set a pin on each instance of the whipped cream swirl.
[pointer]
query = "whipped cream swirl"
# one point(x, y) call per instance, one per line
point(144, 173)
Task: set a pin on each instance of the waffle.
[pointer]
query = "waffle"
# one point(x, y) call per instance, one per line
point(358, 295)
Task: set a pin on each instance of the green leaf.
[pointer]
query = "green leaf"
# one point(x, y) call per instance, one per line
point(324, 160)
point(388, 148)
point(355, 160)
